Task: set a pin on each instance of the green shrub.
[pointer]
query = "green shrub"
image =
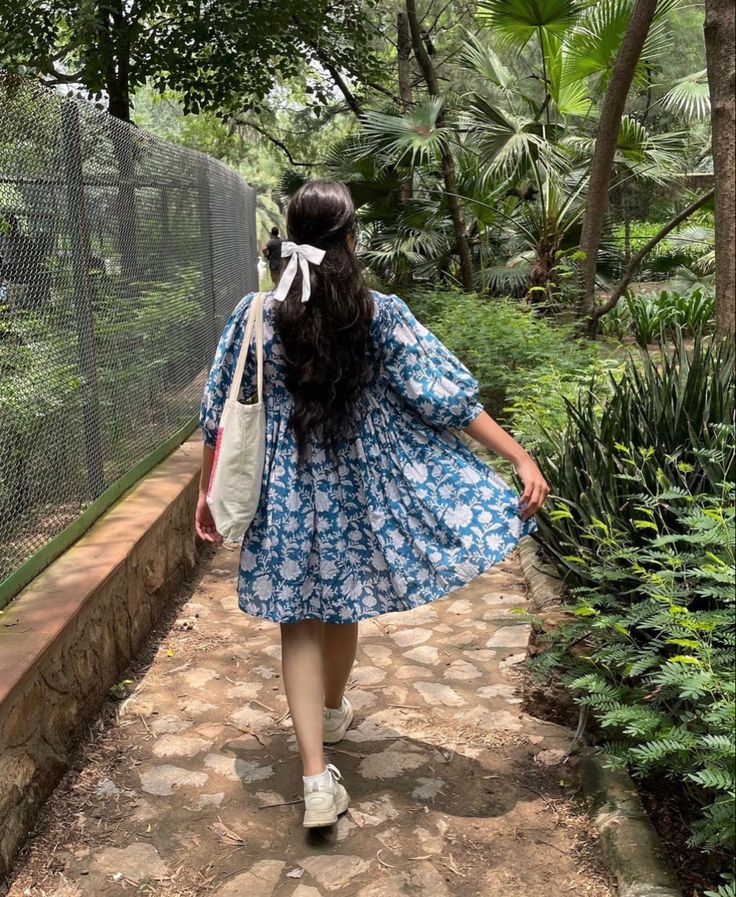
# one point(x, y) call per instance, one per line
point(693, 311)
point(669, 407)
point(616, 323)
point(652, 315)
point(502, 341)
point(537, 406)
point(641, 523)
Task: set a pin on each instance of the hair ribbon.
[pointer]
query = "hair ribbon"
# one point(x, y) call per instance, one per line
point(302, 255)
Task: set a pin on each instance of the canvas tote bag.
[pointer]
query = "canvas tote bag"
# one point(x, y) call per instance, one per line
point(235, 484)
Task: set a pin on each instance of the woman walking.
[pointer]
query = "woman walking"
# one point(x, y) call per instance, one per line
point(371, 503)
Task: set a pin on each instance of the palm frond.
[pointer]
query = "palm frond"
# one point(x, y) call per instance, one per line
point(689, 98)
point(644, 154)
point(515, 22)
point(289, 182)
point(509, 144)
point(505, 280)
point(413, 137)
point(570, 96)
point(484, 62)
point(593, 45)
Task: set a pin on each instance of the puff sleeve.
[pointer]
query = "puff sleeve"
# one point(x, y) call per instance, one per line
point(430, 379)
point(221, 373)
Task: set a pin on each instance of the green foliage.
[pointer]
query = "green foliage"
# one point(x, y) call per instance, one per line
point(502, 341)
point(728, 889)
point(687, 254)
point(197, 50)
point(642, 522)
point(653, 316)
point(519, 106)
point(537, 405)
point(689, 97)
point(662, 424)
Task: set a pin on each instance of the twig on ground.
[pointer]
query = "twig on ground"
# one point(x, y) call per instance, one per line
point(283, 803)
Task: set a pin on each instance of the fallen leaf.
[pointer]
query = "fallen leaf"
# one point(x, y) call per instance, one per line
point(226, 834)
point(295, 873)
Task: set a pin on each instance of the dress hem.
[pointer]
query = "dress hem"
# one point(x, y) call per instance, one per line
point(459, 580)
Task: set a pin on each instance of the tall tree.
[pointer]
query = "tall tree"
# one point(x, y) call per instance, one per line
point(429, 74)
point(215, 54)
point(612, 112)
point(720, 39)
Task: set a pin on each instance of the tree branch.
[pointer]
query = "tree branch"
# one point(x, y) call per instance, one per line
point(341, 85)
point(61, 77)
point(276, 142)
point(636, 259)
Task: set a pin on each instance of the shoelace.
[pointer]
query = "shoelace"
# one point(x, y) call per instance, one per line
point(334, 772)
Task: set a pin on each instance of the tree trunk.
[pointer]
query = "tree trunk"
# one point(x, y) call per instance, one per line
point(614, 104)
point(114, 39)
point(543, 270)
point(448, 164)
point(118, 104)
point(403, 44)
point(403, 50)
point(719, 51)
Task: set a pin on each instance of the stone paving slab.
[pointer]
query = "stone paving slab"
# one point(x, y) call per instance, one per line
point(192, 786)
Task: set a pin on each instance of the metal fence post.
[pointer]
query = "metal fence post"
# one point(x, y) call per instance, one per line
point(165, 227)
point(248, 256)
point(208, 271)
point(83, 310)
point(251, 216)
point(122, 141)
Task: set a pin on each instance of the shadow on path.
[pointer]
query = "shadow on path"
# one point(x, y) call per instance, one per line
point(192, 786)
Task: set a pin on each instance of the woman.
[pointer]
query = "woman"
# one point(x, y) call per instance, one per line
point(371, 502)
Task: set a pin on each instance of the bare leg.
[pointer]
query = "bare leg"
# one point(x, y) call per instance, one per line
point(339, 646)
point(301, 665)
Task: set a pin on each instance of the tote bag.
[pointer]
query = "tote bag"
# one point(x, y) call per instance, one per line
point(235, 484)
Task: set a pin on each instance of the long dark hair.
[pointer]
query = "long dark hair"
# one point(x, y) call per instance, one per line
point(324, 339)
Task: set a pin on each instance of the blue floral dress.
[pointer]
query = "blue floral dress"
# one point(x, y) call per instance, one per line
point(402, 514)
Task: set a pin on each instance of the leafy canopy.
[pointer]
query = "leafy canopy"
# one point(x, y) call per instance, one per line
point(221, 56)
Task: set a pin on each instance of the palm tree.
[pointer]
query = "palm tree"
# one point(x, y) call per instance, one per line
point(521, 136)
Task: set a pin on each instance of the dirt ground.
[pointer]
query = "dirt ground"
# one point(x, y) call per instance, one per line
point(190, 784)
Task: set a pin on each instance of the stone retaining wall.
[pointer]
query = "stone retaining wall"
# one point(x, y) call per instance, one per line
point(65, 640)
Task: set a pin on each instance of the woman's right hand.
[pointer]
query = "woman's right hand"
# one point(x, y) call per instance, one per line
point(204, 522)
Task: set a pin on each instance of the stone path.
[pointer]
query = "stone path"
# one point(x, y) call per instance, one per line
point(190, 785)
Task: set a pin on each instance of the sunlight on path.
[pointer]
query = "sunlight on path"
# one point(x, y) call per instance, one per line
point(195, 790)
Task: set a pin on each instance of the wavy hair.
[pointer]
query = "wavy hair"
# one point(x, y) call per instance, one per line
point(324, 339)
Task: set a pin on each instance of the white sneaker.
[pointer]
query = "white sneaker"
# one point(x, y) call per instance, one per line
point(324, 798)
point(337, 722)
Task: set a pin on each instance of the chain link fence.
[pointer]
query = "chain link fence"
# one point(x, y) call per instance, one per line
point(121, 255)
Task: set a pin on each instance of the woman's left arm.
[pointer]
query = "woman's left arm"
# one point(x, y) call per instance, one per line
point(485, 430)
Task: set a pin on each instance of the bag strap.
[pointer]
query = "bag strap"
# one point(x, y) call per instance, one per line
point(255, 316)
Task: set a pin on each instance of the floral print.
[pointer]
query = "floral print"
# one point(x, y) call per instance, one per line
point(403, 512)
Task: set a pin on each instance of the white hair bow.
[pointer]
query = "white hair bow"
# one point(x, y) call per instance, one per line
point(301, 255)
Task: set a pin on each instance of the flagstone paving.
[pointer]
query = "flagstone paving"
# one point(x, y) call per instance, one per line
point(191, 784)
